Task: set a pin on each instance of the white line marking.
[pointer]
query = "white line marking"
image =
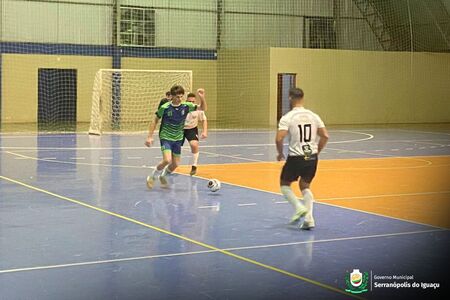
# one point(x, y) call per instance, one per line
point(245, 187)
point(208, 206)
point(328, 204)
point(258, 154)
point(211, 154)
point(246, 204)
point(395, 149)
point(432, 132)
point(368, 137)
point(281, 202)
point(427, 162)
point(48, 158)
point(384, 195)
point(134, 157)
point(78, 158)
point(58, 266)
point(106, 158)
point(20, 158)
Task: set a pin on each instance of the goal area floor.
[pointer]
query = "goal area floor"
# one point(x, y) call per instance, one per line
point(78, 222)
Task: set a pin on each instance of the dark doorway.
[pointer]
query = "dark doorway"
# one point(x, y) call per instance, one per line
point(57, 99)
point(285, 82)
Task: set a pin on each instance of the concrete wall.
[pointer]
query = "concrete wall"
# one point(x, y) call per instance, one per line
point(243, 88)
point(20, 83)
point(363, 87)
point(20, 86)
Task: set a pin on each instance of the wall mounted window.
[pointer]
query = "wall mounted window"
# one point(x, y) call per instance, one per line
point(137, 26)
point(319, 33)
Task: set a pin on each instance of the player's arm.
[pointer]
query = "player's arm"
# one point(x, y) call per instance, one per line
point(281, 134)
point(204, 134)
point(323, 138)
point(201, 94)
point(151, 130)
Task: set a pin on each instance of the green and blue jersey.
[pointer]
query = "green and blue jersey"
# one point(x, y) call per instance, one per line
point(173, 119)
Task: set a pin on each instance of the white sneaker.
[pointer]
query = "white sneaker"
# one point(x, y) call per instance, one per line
point(300, 213)
point(163, 180)
point(307, 225)
point(150, 181)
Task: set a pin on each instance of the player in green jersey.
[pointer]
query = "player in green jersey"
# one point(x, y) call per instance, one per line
point(171, 132)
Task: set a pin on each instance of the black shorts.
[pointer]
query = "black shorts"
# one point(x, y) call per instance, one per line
point(191, 134)
point(297, 166)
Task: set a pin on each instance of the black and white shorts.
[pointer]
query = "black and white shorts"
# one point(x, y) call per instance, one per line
point(191, 134)
point(297, 166)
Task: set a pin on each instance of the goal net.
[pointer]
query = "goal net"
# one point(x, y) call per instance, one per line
point(125, 100)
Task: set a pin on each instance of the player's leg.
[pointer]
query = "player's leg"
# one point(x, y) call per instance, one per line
point(174, 161)
point(167, 158)
point(288, 175)
point(192, 136)
point(308, 198)
point(195, 154)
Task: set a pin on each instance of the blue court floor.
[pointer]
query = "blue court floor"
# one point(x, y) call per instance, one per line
point(78, 222)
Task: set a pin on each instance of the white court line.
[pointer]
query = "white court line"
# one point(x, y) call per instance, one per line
point(212, 251)
point(231, 156)
point(427, 162)
point(106, 158)
point(134, 157)
point(232, 184)
point(419, 131)
point(328, 204)
point(368, 137)
point(77, 158)
point(48, 158)
point(208, 206)
point(384, 195)
point(246, 204)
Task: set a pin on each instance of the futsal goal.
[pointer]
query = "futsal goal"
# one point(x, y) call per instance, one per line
point(125, 100)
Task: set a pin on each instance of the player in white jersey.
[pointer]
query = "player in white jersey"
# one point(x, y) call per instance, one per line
point(191, 129)
point(307, 137)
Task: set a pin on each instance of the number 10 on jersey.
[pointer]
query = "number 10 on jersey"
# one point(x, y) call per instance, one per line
point(304, 131)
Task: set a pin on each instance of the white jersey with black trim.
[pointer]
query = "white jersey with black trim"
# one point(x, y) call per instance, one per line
point(193, 117)
point(302, 125)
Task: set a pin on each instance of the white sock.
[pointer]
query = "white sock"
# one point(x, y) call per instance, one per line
point(290, 196)
point(195, 158)
point(308, 199)
point(155, 172)
point(166, 171)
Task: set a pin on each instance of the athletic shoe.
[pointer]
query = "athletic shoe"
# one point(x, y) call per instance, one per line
point(307, 225)
point(163, 180)
point(300, 213)
point(193, 170)
point(150, 181)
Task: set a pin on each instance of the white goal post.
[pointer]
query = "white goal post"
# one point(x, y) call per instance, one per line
point(125, 100)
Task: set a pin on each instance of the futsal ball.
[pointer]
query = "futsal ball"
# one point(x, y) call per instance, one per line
point(214, 185)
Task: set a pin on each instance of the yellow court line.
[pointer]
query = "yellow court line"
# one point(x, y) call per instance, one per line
point(225, 252)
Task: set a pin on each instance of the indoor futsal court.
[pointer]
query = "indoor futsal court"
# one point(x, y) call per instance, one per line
point(92, 118)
